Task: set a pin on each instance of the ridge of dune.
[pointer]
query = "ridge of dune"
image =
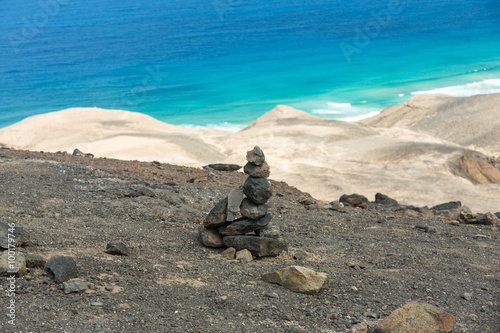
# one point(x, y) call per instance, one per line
point(397, 153)
point(115, 134)
point(472, 122)
point(283, 113)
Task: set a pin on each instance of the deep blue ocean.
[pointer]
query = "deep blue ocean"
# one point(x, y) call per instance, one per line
point(224, 63)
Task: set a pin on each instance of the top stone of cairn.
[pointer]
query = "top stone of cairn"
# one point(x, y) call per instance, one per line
point(256, 156)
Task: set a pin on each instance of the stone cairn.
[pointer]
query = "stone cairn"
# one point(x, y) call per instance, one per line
point(252, 231)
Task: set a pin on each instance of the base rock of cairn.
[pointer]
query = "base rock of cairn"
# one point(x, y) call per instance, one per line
point(241, 220)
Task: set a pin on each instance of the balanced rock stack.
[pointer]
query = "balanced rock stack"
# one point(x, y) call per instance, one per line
point(241, 220)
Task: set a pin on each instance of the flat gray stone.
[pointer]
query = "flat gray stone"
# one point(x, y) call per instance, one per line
point(217, 216)
point(245, 226)
point(223, 167)
point(234, 200)
point(75, 285)
point(258, 246)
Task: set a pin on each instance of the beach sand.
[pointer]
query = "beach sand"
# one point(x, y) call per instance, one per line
point(429, 150)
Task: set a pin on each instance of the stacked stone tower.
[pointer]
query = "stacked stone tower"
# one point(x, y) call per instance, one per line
point(251, 231)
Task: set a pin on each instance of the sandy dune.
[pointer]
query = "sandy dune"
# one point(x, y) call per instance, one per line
point(423, 152)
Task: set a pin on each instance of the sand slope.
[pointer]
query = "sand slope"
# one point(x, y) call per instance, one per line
point(472, 122)
point(419, 152)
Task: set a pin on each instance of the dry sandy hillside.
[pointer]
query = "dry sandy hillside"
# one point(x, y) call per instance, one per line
point(432, 149)
point(378, 258)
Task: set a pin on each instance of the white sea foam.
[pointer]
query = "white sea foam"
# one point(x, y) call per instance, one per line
point(489, 86)
point(359, 117)
point(339, 105)
point(225, 126)
point(326, 111)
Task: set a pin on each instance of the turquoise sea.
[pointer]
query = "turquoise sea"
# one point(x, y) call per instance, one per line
point(223, 63)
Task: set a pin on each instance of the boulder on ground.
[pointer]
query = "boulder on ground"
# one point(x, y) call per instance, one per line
point(417, 317)
point(354, 200)
point(62, 267)
point(298, 279)
point(383, 199)
point(448, 206)
point(117, 249)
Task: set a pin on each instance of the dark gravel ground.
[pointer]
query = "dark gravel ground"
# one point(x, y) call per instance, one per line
point(376, 258)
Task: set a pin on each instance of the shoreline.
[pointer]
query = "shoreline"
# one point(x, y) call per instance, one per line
point(329, 107)
point(403, 152)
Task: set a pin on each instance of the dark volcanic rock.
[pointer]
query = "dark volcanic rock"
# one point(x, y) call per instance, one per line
point(448, 206)
point(385, 200)
point(259, 246)
point(209, 237)
point(251, 210)
point(223, 167)
point(63, 268)
point(354, 200)
point(78, 152)
point(269, 231)
point(20, 236)
point(117, 249)
point(257, 171)
point(256, 156)
point(217, 216)
point(497, 214)
point(244, 226)
point(258, 190)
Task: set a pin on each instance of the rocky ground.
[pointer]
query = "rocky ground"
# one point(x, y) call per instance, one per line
point(378, 258)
